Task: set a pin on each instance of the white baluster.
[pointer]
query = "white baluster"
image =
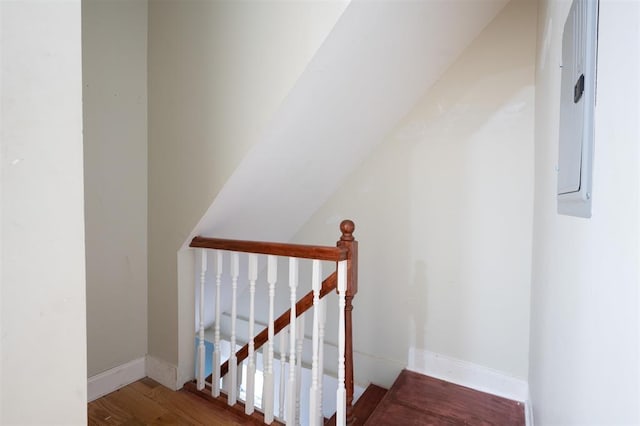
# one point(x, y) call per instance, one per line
point(268, 385)
point(201, 346)
point(314, 392)
point(341, 394)
point(291, 388)
point(241, 367)
point(232, 390)
point(215, 368)
point(283, 362)
point(299, 341)
point(251, 365)
point(322, 314)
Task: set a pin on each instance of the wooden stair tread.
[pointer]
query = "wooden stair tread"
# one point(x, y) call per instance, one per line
point(415, 399)
point(365, 405)
point(221, 403)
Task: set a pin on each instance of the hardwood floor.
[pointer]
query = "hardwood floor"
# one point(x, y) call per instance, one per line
point(414, 399)
point(146, 402)
point(420, 400)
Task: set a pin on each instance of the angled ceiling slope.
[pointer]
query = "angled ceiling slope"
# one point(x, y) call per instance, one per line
point(371, 69)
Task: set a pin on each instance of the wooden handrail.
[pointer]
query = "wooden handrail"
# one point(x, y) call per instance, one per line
point(346, 249)
point(302, 306)
point(334, 254)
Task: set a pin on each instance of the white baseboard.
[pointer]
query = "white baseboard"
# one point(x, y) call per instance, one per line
point(163, 372)
point(115, 378)
point(468, 374)
point(528, 413)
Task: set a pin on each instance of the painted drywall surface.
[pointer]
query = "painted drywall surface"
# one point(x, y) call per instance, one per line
point(115, 160)
point(217, 73)
point(340, 109)
point(43, 333)
point(338, 112)
point(584, 361)
point(443, 213)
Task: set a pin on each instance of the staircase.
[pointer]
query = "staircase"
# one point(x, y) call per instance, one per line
point(282, 398)
point(364, 406)
point(413, 399)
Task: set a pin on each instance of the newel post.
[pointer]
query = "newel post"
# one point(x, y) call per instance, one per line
point(347, 241)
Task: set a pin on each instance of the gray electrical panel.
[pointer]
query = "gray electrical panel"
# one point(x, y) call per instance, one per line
point(577, 104)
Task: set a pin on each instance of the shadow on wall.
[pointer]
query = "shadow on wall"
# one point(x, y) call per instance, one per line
point(470, 141)
point(375, 198)
point(443, 214)
point(467, 196)
point(417, 311)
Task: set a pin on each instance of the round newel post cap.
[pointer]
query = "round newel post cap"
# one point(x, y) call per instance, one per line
point(347, 227)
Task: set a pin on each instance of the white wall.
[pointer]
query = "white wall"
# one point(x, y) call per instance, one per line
point(336, 114)
point(115, 159)
point(584, 361)
point(217, 73)
point(43, 333)
point(443, 213)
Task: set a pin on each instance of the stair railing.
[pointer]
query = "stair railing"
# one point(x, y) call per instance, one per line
point(343, 280)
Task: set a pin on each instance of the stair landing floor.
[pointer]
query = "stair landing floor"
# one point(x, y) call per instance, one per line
point(417, 400)
point(414, 399)
point(146, 402)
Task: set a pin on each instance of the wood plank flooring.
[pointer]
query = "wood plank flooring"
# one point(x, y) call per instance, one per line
point(413, 400)
point(417, 400)
point(146, 402)
point(221, 403)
